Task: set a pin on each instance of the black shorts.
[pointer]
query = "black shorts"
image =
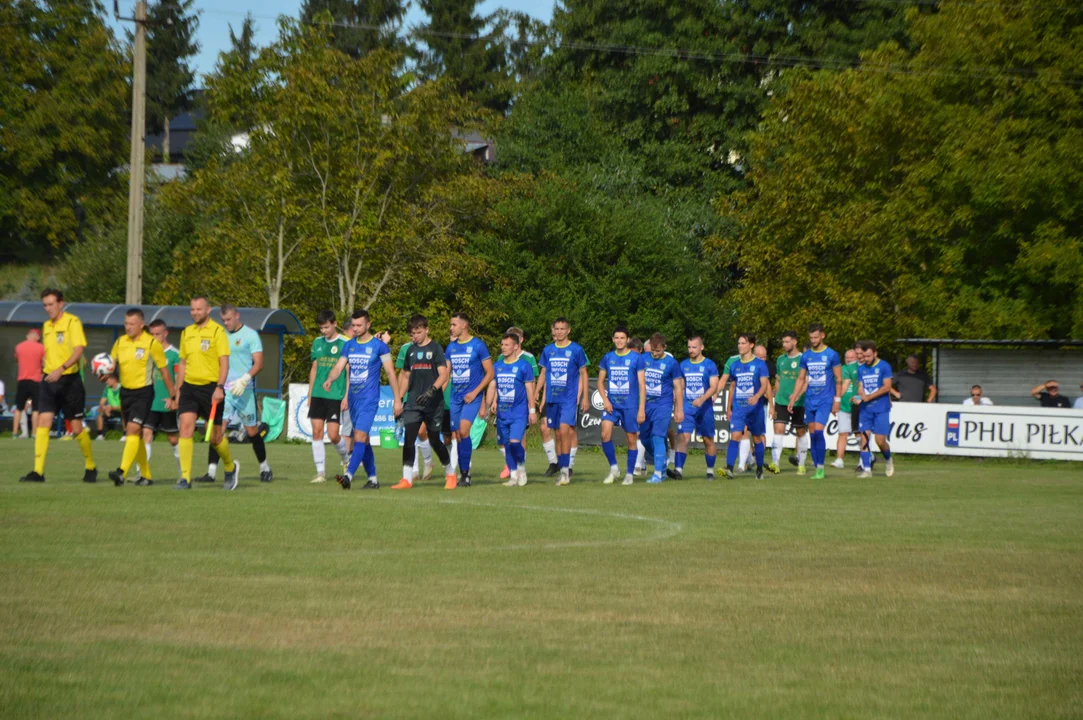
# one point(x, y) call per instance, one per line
point(855, 416)
point(797, 419)
point(163, 421)
point(330, 411)
point(446, 424)
point(197, 399)
point(67, 394)
point(135, 404)
point(434, 419)
point(27, 390)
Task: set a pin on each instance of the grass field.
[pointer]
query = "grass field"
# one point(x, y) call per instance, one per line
point(953, 590)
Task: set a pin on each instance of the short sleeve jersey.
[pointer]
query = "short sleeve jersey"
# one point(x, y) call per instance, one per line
point(60, 339)
point(112, 396)
point(511, 379)
point(531, 360)
point(365, 359)
point(423, 362)
point(161, 394)
point(849, 372)
point(622, 378)
point(788, 368)
point(400, 359)
point(325, 353)
point(697, 378)
point(821, 376)
point(29, 354)
point(200, 348)
point(243, 344)
point(137, 359)
point(562, 365)
point(466, 360)
point(747, 380)
point(872, 379)
point(729, 363)
point(658, 376)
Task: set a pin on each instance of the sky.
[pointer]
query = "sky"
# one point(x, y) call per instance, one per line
point(217, 15)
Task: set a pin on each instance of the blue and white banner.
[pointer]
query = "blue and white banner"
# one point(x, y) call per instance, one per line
point(300, 427)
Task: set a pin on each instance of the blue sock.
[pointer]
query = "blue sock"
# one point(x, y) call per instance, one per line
point(866, 459)
point(678, 460)
point(733, 452)
point(509, 458)
point(610, 452)
point(758, 450)
point(564, 460)
point(659, 455)
point(818, 448)
point(519, 452)
point(369, 459)
point(886, 453)
point(710, 461)
point(633, 455)
point(356, 457)
point(466, 449)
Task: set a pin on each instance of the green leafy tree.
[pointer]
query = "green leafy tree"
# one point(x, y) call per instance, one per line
point(171, 28)
point(63, 124)
point(942, 200)
point(357, 27)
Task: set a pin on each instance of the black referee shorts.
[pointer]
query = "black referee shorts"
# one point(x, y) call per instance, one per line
point(135, 404)
point(197, 399)
point(67, 394)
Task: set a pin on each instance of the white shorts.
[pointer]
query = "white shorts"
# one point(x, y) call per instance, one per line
point(845, 424)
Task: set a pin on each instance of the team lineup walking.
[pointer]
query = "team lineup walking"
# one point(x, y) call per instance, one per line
point(441, 392)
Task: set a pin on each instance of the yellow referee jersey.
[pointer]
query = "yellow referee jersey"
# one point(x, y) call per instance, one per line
point(133, 358)
point(200, 349)
point(60, 339)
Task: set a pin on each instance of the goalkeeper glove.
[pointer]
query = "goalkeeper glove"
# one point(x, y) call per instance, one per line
point(238, 386)
point(426, 397)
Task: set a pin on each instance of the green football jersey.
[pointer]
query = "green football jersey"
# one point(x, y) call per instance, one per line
point(400, 363)
point(849, 372)
point(788, 369)
point(529, 357)
point(172, 359)
point(729, 363)
point(325, 354)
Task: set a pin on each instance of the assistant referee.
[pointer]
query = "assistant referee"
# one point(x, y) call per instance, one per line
point(201, 379)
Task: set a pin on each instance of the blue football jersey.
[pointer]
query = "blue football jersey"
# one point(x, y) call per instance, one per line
point(622, 378)
point(872, 379)
point(242, 344)
point(658, 376)
point(365, 361)
point(697, 378)
point(747, 380)
point(562, 366)
point(466, 360)
point(511, 379)
point(821, 376)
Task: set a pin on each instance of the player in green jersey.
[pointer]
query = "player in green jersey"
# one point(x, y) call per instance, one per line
point(788, 366)
point(326, 407)
point(161, 419)
point(845, 419)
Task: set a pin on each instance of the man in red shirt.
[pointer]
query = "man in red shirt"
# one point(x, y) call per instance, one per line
point(29, 354)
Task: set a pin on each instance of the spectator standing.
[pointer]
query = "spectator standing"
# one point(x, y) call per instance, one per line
point(977, 397)
point(1048, 395)
point(911, 383)
point(29, 356)
point(1078, 404)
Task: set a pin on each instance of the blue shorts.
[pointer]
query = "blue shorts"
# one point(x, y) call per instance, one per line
point(818, 413)
point(361, 417)
point(878, 423)
point(624, 418)
point(700, 419)
point(513, 428)
point(557, 414)
point(241, 409)
point(464, 411)
point(659, 416)
point(752, 419)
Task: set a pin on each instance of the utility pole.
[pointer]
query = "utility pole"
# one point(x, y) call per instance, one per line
point(134, 286)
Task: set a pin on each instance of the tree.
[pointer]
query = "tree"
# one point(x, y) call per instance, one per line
point(63, 124)
point(941, 200)
point(243, 46)
point(171, 28)
point(357, 27)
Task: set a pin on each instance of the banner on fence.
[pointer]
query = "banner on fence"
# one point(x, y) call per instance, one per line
point(300, 428)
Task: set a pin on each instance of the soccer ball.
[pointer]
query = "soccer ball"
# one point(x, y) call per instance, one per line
point(102, 365)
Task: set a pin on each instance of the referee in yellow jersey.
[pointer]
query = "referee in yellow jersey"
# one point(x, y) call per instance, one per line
point(201, 379)
point(136, 354)
point(62, 388)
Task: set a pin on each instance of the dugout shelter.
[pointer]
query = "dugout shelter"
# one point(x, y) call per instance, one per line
point(104, 323)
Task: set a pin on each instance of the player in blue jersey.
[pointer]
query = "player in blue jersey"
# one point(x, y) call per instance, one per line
point(820, 382)
point(365, 355)
point(750, 378)
point(661, 396)
point(471, 370)
point(701, 384)
point(511, 398)
point(245, 362)
point(873, 394)
point(563, 379)
point(618, 386)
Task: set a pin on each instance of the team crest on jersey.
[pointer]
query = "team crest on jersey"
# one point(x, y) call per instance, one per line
point(60, 338)
point(334, 350)
point(428, 355)
point(567, 353)
point(204, 345)
point(793, 365)
point(139, 352)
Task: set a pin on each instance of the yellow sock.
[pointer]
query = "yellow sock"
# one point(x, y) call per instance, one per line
point(222, 449)
point(142, 459)
point(83, 439)
point(132, 444)
point(41, 449)
point(186, 448)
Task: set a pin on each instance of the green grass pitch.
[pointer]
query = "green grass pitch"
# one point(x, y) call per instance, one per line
point(953, 590)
